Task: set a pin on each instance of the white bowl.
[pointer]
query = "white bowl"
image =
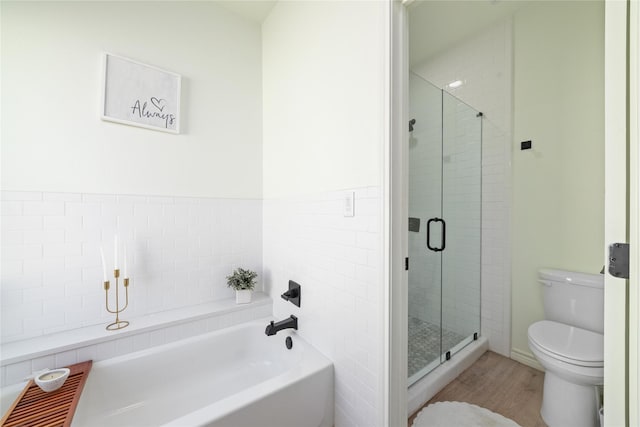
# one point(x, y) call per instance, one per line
point(52, 380)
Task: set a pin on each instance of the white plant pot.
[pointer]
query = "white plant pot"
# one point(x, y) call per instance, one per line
point(243, 296)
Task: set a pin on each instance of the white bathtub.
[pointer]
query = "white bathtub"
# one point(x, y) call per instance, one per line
point(235, 377)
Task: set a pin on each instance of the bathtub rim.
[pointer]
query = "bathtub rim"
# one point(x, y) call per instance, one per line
point(185, 341)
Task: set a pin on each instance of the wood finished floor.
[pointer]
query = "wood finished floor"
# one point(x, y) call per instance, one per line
point(501, 385)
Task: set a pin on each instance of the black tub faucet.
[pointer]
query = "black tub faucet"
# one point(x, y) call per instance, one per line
point(289, 322)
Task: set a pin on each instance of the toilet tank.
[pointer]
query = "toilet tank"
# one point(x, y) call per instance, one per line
point(572, 298)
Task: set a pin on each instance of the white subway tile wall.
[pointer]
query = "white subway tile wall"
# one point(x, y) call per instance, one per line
point(338, 262)
point(484, 63)
point(179, 251)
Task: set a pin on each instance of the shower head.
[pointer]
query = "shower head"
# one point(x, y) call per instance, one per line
point(411, 123)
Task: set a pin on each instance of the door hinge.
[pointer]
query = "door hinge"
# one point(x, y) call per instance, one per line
point(619, 260)
point(406, 263)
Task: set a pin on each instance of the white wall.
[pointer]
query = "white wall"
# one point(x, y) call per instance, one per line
point(324, 97)
point(558, 197)
point(187, 206)
point(52, 137)
point(323, 68)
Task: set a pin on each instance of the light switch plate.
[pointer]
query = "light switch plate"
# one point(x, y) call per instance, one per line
point(349, 203)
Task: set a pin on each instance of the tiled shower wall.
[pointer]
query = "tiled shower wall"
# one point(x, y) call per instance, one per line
point(179, 251)
point(484, 63)
point(338, 262)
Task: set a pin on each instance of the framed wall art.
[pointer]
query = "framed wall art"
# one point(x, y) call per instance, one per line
point(140, 95)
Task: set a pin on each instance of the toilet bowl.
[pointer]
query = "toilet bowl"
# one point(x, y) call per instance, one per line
point(571, 350)
point(574, 366)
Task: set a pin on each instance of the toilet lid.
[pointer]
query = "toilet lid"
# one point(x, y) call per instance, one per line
point(575, 345)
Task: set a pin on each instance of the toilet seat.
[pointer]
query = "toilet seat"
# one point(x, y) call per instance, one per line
point(569, 344)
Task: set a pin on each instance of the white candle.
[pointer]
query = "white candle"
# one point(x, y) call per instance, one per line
point(104, 265)
point(51, 376)
point(125, 261)
point(115, 252)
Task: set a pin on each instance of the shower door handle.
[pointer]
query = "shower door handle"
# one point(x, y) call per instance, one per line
point(444, 234)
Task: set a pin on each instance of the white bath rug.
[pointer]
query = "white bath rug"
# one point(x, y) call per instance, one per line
point(460, 414)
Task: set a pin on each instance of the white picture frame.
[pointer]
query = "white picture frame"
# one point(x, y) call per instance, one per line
point(141, 95)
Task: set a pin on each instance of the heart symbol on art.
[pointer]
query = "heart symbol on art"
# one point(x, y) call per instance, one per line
point(158, 103)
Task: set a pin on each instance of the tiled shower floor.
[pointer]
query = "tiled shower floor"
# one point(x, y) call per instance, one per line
point(424, 343)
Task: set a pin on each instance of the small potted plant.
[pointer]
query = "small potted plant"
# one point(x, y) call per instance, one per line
point(243, 281)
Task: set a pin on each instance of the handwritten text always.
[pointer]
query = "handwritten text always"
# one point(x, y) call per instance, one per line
point(154, 109)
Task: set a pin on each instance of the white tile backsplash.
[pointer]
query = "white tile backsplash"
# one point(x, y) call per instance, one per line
point(179, 249)
point(338, 262)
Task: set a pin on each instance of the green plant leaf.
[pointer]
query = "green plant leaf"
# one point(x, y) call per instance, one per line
point(242, 279)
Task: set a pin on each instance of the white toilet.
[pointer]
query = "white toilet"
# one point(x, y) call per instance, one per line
point(569, 345)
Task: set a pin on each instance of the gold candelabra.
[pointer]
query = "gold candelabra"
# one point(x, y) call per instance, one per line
point(118, 324)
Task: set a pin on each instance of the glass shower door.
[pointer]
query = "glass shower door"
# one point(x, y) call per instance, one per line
point(445, 181)
point(425, 197)
point(462, 210)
